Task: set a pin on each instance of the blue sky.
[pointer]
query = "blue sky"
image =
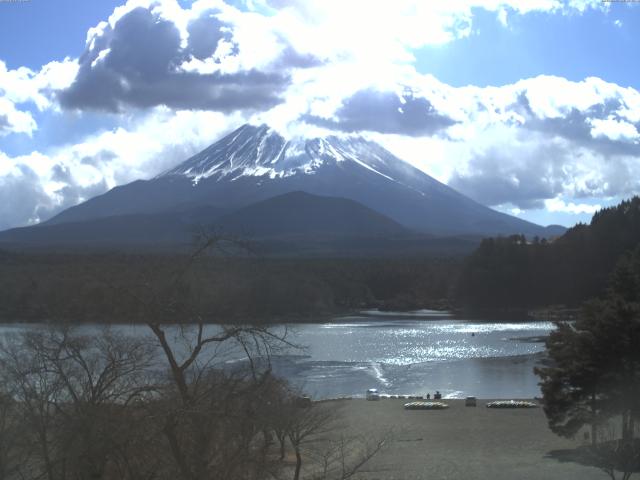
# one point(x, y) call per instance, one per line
point(38, 31)
point(529, 107)
point(571, 46)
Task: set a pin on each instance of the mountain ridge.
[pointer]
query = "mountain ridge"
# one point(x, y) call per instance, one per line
point(300, 213)
point(303, 213)
point(292, 224)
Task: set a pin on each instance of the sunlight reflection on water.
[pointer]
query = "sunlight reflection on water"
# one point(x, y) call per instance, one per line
point(418, 355)
point(405, 342)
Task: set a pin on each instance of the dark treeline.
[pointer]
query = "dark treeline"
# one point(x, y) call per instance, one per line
point(503, 273)
point(513, 272)
point(97, 287)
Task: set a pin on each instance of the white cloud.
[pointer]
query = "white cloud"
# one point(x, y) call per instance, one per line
point(558, 205)
point(22, 88)
point(23, 85)
point(389, 30)
point(432, 155)
point(502, 17)
point(613, 129)
point(515, 145)
point(162, 139)
point(72, 173)
point(13, 120)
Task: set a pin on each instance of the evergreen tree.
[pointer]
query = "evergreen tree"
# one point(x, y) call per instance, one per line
point(570, 381)
point(593, 369)
point(508, 272)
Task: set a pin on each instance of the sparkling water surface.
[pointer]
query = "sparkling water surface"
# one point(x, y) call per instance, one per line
point(417, 354)
point(399, 353)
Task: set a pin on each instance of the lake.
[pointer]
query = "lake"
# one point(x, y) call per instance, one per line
point(401, 353)
point(418, 354)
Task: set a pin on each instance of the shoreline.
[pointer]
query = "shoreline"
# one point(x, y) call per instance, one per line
point(364, 312)
point(461, 442)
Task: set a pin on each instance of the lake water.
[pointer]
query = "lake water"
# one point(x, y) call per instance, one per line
point(415, 353)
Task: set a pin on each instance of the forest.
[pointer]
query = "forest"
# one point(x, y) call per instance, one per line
point(516, 272)
point(503, 273)
point(105, 288)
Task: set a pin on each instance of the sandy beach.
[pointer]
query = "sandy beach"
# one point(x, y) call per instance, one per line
point(462, 443)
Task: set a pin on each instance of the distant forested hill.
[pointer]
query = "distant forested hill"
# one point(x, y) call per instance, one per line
point(511, 272)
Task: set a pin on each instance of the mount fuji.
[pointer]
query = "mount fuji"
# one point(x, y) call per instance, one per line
point(255, 163)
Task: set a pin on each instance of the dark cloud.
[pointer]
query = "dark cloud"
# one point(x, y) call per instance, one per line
point(136, 62)
point(524, 177)
point(385, 112)
point(205, 32)
point(291, 58)
point(62, 174)
point(576, 126)
point(72, 194)
point(21, 197)
point(101, 158)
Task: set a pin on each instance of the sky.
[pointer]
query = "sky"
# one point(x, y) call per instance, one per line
point(531, 107)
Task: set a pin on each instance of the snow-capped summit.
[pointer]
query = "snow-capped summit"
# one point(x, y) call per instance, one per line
point(261, 151)
point(255, 163)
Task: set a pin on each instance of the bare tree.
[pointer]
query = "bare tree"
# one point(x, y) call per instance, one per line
point(13, 452)
point(72, 394)
point(208, 412)
point(317, 433)
point(308, 425)
point(36, 394)
point(217, 425)
point(344, 457)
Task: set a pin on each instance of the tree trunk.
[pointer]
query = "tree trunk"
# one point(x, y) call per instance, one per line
point(176, 451)
point(281, 440)
point(594, 431)
point(45, 453)
point(296, 475)
point(625, 427)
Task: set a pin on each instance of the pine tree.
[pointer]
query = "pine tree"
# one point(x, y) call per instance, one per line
point(592, 373)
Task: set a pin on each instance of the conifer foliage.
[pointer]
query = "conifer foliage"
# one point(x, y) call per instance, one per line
point(592, 373)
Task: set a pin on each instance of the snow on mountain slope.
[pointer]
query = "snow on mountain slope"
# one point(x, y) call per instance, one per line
point(260, 151)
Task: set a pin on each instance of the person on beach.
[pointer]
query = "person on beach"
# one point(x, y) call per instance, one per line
point(428, 396)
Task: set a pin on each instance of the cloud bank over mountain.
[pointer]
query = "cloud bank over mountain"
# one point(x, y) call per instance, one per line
point(167, 80)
